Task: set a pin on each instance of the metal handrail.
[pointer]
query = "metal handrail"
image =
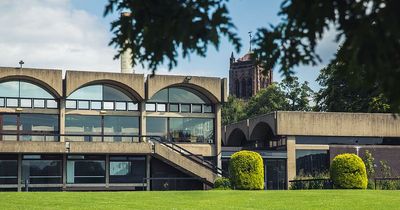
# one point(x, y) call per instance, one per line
point(190, 155)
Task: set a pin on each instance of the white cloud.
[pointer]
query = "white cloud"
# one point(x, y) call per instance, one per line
point(53, 34)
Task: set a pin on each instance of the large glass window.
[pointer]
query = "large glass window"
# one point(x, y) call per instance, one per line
point(42, 169)
point(8, 169)
point(29, 127)
point(193, 130)
point(86, 169)
point(127, 169)
point(121, 125)
point(97, 97)
point(190, 130)
point(311, 162)
point(25, 94)
point(87, 126)
point(173, 97)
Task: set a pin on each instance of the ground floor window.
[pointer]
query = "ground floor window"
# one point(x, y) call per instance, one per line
point(311, 162)
point(186, 129)
point(127, 169)
point(42, 169)
point(86, 169)
point(8, 169)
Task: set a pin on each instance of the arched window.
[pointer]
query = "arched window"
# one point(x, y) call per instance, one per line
point(237, 88)
point(243, 86)
point(249, 87)
point(19, 93)
point(179, 99)
point(101, 97)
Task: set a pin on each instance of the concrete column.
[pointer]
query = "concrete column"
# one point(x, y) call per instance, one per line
point(64, 171)
point(148, 172)
point(291, 158)
point(142, 120)
point(62, 119)
point(107, 171)
point(218, 135)
point(19, 176)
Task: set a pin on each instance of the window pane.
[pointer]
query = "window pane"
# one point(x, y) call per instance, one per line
point(85, 171)
point(26, 103)
point(196, 108)
point(129, 171)
point(174, 107)
point(42, 171)
point(70, 104)
point(81, 124)
point(8, 170)
point(39, 123)
point(156, 126)
point(121, 125)
point(120, 106)
point(311, 162)
point(52, 104)
point(195, 130)
point(207, 108)
point(29, 90)
point(161, 107)
point(2, 103)
point(38, 103)
point(132, 106)
point(83, 104)
point(93, 92)
point(160, 96)
point(185, 107)
point(12, 102)
point(107, 105)
point(186, 95)
point(9, 89)
point(96, 105)
point(113, 94)
point(8, 122)
point(150, 107)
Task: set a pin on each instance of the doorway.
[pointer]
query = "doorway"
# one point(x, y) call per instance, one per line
point(275, 174)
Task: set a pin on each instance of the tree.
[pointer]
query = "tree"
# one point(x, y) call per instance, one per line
point(368, 31)
point(267, 100)
point(341, 94)
point(233, 110)
point(299, 95)
point(156, 29)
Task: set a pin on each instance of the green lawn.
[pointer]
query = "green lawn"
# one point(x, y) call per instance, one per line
point(313, 199)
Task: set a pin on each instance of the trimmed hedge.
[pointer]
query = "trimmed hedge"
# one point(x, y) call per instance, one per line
point(222, 183)
point(246, 169)
point(348, 172)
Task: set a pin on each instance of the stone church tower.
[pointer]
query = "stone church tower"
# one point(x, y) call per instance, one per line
point(246, 78)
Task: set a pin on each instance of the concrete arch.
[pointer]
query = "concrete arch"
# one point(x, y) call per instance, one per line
point(50, 80)
point(212, 88)
point(241, 125)
point(236, 138)
point(269, 119)
point(133, 84)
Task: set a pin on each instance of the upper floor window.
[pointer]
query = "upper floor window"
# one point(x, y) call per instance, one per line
point(101, 97)
point(179, 99)
point(24, 94)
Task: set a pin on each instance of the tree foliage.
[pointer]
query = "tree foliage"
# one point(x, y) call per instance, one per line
point(233, 110)
point(340, 94)
point(156, 29)
point(299, 95)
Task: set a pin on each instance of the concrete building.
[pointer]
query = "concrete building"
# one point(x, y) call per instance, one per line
point(98, 130)
point(294, 143)
point(246, 78)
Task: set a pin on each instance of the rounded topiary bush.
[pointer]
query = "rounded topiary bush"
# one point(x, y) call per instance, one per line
point(246, 171)
point(348, 172)
point(222, 183)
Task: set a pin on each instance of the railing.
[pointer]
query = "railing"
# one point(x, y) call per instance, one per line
point(305, 184)
point(170, 183)
point(184, 152)
point(387, 183)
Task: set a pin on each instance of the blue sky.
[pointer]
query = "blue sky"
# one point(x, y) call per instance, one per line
point(74, 35)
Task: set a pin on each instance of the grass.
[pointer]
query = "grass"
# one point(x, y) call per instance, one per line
point(307, 199)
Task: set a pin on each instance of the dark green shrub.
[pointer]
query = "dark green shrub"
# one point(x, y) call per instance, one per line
point(222, 183)
point(315, 181)
point(348, 172)
point(246, 169)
